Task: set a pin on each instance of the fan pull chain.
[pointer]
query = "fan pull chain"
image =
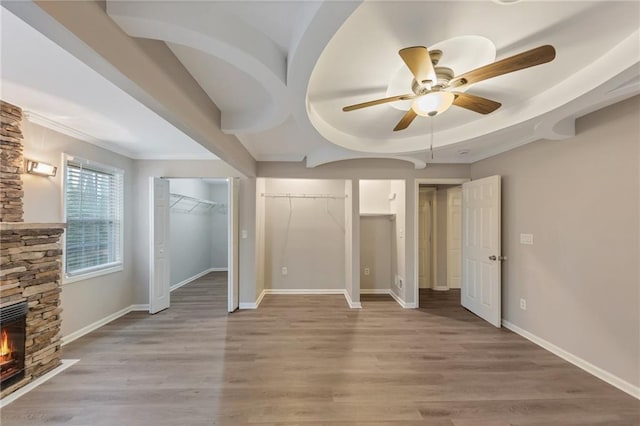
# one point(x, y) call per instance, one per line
point(431, 142)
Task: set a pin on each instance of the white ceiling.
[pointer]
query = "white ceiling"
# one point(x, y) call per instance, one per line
point(281, 71)
point(59, 91)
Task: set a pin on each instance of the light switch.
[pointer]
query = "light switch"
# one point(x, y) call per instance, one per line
point(243, 234)
point(367, 271)
point(526, 239)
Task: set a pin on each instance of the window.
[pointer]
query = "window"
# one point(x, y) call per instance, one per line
point(93, 197)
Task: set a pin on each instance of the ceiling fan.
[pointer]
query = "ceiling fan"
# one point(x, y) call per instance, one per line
point(434, 87)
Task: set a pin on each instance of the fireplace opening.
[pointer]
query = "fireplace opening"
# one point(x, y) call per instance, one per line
point(13, 322)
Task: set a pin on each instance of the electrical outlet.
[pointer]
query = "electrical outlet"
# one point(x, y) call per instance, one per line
point(400, 282)
point(285, 271)
point(523, 304)
point(526, 239)
point(367, 271)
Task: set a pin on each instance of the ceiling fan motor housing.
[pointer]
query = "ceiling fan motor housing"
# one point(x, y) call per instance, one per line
point(443, 74)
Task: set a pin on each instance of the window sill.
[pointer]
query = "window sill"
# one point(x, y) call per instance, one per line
point(75, 278)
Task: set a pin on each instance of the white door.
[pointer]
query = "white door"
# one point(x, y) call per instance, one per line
point(481, 254)
point(233, 262)
point(454, 237)
point(159, 293)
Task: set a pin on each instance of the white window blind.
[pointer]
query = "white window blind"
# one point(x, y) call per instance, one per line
point(93, 205)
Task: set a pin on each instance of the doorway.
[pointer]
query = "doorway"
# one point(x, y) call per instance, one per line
point(439, 238)
point(438, 244)
point(193, 234)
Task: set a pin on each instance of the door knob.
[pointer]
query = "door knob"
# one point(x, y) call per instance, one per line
point(497, 257)
point(493, 258)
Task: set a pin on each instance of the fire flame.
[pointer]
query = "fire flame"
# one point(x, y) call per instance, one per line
point(5, 349)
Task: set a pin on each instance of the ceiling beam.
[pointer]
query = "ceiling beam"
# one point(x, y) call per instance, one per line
point(145, 69)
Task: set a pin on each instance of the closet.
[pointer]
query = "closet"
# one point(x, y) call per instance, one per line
point(382, 225)
point(198, 228)
point(303, 227)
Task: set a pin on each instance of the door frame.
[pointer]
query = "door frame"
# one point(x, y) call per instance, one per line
point(230, 245)
point(433, 255)
point(416, 222)
point(450, 224)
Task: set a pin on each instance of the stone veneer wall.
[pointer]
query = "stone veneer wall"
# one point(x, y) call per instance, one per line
point(30, 270)
point(29, 258)
point(11, 163)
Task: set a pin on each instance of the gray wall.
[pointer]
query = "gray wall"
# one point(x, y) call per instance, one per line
point(375, 252)
point(219, 226)
point(86, 301)
point(308, 239)
point(580, 200)
point(191, 234)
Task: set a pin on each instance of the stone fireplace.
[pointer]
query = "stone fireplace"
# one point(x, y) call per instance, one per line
point(29, 272)
point(13, 334)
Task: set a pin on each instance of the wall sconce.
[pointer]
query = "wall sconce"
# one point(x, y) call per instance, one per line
point(40, 168)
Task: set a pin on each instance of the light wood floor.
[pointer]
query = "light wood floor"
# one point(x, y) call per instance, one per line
point(311, 360)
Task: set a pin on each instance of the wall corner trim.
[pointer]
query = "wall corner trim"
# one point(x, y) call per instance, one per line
point(96, 325)
point(402, 302)
point(195, 277)
point(600, 373)
point(351, 303)
point(252, 305)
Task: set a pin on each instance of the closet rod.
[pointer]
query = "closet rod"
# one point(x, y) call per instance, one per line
point(333, 197)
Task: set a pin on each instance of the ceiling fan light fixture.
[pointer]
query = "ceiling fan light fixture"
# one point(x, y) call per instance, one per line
point(433, 103)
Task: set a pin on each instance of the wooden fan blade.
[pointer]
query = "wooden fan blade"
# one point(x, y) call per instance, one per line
point(530, 58)
point(378, 102)
point(419, 63)
point(475, 103)
point(405, 120)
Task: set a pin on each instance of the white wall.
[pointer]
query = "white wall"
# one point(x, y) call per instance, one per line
point(86, 301)
point(191, 234)
point(399, 208)
point(305, 235)
point(374, 196)
point(260, 234)
point(580, 200)
point(352, 236)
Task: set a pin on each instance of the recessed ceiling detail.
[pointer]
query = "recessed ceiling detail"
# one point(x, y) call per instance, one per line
point(281, 72)
point(361, 63)
point(204, 27)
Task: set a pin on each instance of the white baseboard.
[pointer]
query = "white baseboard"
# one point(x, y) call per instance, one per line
point(398, 299)
point(140, 307)
point(95, 325)
point(604, 375)
point(303, 291)
point(441, 288)
point(375, 291)
point(193, 278)
point(218, 269)
point(66, 363)
point(351, 303)
point(252, 305)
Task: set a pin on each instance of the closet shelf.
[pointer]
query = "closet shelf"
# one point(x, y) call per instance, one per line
point(190, 204)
